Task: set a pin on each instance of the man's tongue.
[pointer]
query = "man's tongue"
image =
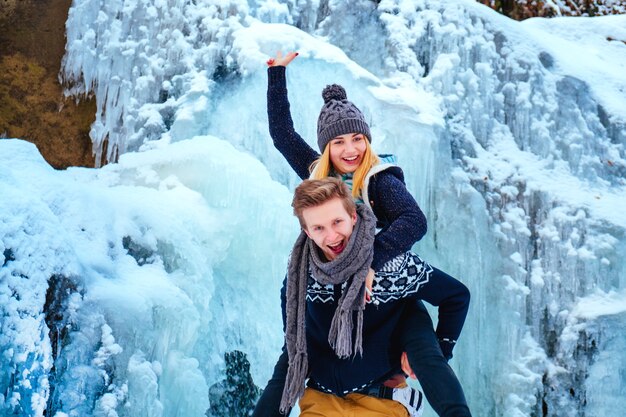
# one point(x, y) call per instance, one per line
point(337, 249)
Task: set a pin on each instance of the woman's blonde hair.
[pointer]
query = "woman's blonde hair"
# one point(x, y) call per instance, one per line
point(322, 168)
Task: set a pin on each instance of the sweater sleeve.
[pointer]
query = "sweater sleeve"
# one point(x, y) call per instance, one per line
point(404, 222)
point(453, 298)
point(269, 402)
point(288, 142)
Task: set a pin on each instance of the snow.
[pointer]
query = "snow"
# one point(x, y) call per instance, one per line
point(600, 304)
point(162, 307)
point(511, 136)
point(590, 49)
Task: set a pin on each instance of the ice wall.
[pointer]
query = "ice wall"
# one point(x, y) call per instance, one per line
point(547, 158)
point(149, 53)
point(123, 287)
point(511, 143)
point(516, 149)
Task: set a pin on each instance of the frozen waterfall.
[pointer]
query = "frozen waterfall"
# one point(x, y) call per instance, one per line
point(123, 287)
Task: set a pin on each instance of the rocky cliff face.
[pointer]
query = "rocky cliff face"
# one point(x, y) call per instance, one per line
point(32, 105)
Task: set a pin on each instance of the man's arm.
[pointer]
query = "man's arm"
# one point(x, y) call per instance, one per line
point(269, 402)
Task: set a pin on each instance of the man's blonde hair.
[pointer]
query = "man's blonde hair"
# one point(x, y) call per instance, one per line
point(322, 167)
point(313, 193)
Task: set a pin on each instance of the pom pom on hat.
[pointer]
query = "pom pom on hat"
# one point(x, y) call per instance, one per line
point(334, 92)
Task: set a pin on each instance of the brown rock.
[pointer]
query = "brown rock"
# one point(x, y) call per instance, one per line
point(32, 104)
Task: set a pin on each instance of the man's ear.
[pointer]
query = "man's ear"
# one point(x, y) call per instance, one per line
point(353, 218)
point(306, 231)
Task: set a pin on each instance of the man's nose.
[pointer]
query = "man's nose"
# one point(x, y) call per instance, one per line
point(332, 235)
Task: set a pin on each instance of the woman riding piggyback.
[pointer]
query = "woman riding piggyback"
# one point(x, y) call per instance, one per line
point(344, 141)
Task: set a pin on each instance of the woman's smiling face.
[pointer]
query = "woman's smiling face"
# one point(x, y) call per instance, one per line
point(346, 152)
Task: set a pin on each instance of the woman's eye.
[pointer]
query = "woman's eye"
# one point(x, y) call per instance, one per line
point(337, 142)
point(358, 138)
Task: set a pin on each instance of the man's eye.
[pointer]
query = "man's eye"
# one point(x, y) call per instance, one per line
point(338, 221)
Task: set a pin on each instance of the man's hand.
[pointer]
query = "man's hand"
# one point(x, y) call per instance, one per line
point(369, 282)
point(406, 368)
point(395, 381)
point(281, 61)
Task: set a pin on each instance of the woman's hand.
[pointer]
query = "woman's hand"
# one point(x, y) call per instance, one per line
point(281, 61)
point(369, 282)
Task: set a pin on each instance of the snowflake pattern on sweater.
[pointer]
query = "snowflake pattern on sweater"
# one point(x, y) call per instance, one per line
point(398, 278)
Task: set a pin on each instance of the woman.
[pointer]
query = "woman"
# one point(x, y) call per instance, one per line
point(344, 139)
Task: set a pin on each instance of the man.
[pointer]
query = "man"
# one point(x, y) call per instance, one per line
point(346, 348)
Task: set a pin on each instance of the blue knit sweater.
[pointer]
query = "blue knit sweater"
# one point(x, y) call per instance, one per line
point(406, 279)
point(400, 219)
point(397, 287)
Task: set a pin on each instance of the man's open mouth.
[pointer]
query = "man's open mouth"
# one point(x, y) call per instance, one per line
point(337, 248)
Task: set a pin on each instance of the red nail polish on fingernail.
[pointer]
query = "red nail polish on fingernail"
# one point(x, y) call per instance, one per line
point(297, 53)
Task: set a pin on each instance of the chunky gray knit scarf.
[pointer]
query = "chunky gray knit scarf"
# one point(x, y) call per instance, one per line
point(350, 266)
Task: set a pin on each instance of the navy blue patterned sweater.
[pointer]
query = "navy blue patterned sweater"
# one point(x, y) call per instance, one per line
point(405, 279)
point(399, 285)
point(400, 219)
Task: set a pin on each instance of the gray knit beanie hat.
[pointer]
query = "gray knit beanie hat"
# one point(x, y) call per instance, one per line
point(338, 117)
